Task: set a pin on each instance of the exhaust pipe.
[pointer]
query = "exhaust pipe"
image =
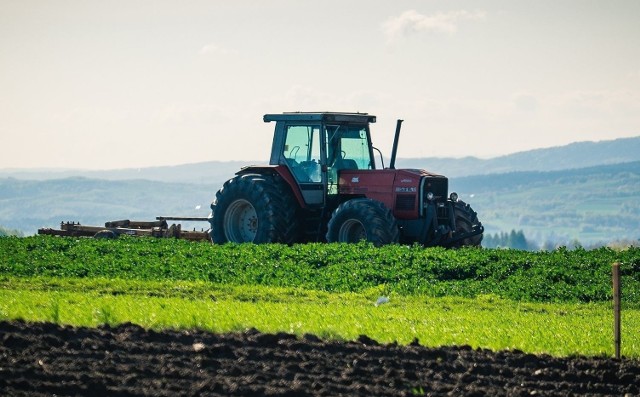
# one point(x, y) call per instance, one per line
point(392, 165)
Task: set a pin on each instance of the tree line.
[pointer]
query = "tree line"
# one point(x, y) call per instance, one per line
point(10, 232)
point(514, 239)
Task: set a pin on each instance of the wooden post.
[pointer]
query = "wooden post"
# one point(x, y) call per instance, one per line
point(616, 307)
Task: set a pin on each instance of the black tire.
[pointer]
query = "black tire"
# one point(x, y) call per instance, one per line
point(363, 219)
point(466, 218)
point(110, 234)
point(254, 208)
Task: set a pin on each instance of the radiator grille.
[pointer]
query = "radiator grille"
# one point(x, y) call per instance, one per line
point(406, 202)
point(438, 186)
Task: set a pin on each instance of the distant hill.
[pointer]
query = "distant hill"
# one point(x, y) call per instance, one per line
point(204, 173)
point(572, 156)
point(591, 205)
point(587, 191)
point(27, 205)
point(575, 155)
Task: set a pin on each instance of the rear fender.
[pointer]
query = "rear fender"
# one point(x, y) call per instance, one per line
point(276, 170)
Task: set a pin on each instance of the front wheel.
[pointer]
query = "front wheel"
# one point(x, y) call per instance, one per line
point(363, 219)
point(466, 218)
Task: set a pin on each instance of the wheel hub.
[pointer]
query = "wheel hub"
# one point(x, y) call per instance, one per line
point(241, 222)
point(352, 231)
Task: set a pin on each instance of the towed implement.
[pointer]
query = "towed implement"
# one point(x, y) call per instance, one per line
point(158, 228)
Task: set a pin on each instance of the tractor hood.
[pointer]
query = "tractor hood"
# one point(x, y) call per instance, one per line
point(367, 181)
point(402, 190)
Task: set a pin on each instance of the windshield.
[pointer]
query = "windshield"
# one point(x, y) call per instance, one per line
point(350, 146)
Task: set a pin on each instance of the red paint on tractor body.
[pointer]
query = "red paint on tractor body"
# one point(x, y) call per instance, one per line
point(399, 190)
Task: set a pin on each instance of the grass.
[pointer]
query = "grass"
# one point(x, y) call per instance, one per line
point(558, 276)
point(487, 321)
point(554, 302)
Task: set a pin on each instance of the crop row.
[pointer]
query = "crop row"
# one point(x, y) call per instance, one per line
point(547, 276)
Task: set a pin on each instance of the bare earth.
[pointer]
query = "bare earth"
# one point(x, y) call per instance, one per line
point(39, 359)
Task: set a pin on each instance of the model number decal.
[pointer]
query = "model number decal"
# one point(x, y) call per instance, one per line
point(406, 189)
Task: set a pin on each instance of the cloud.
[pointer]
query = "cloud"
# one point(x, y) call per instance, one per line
point(634, 76)
point(526, 102)
point(411, 22)
point(182, 113)
point(213, 48)
point(611, 106)
point(309, 98)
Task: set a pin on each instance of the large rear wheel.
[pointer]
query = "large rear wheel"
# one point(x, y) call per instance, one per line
point(363, 219)
point(253, 208)
point(466, 219)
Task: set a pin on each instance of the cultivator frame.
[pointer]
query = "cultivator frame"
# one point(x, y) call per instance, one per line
point(158, 228)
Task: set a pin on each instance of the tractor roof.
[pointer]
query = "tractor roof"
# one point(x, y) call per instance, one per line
point(321, 116)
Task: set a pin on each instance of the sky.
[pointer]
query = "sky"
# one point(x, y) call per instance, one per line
point(124, 84)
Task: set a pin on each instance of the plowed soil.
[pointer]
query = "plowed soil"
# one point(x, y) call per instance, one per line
point(45, 359)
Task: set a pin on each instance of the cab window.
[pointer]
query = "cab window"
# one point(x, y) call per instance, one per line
point(302, 152)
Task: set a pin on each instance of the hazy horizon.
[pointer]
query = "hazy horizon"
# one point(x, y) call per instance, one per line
point(112, 85)
point(265, 161)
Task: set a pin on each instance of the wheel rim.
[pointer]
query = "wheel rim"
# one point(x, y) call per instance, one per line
point(241, 222)
point(352, 231)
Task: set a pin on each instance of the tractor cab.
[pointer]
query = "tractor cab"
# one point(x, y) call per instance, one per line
point(315, 147)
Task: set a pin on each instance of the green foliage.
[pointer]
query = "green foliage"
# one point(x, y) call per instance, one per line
point(486, 321)
point(557, 276)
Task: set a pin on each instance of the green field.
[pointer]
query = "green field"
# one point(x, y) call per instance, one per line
point(555, 302)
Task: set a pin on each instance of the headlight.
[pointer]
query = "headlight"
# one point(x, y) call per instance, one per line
point(453, 197)
point(430, 196)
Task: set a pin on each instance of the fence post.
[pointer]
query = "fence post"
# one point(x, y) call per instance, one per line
point(616, 307)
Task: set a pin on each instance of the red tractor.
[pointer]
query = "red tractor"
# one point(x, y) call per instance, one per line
point(322, 184)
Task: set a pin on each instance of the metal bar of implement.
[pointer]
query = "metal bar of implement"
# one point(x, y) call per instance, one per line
point(181, 218)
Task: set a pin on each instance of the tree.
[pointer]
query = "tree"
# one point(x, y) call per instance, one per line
point(10, 232)
point(514, 239)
